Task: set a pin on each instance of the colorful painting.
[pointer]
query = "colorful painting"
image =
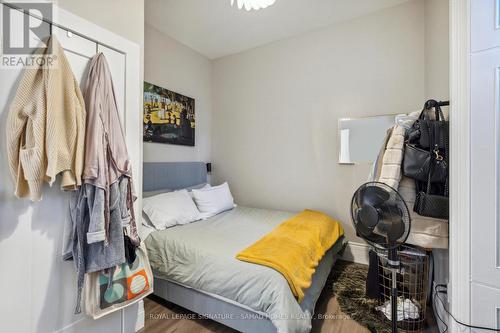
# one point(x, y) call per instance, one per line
point(168, 116)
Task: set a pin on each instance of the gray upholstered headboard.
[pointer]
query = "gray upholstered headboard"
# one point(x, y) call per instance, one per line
point(173, 175)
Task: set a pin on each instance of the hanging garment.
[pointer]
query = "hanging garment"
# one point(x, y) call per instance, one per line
point(425, 231)
point(390, 171)
point(94, 235)
point(387, 167)
point(106, 157)
point(46, 128)
point(85, 207)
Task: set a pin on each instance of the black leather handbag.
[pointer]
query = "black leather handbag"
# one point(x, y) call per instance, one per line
point(417, 164)
point(425, 145)
point(438, 128)
point(432, 205)
point(426, 161)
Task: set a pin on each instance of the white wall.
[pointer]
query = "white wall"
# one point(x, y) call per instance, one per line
point(170, 64)
point(276, 108)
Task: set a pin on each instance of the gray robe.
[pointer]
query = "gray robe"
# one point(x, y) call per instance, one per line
point(86, 209)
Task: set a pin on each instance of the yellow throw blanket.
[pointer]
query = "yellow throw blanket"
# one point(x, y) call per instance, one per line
point(295, 247)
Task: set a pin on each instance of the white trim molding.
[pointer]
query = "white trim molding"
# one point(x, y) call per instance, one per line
point(460, 274)
point(141, 316)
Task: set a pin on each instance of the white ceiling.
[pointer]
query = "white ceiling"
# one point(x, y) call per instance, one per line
point(215, 29)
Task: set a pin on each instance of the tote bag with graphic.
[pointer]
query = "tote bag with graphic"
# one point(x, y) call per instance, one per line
point(129, 284)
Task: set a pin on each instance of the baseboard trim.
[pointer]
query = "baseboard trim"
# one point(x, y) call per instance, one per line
point(70, 327)
point(356, 252)
point(141, 316)
point(126, 320)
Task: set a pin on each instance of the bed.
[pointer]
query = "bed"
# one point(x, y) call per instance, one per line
point(195, 266)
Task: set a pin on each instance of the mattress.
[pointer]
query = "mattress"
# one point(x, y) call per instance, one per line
point(201, 255)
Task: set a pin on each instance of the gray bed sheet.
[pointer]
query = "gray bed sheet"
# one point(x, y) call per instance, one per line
point(201, 255)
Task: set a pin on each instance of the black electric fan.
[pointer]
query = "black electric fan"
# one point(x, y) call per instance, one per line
point(381, 217)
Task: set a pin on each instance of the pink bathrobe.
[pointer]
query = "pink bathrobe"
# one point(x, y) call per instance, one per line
point(106, 156)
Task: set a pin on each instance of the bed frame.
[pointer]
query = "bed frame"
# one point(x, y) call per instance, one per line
point(177, 175)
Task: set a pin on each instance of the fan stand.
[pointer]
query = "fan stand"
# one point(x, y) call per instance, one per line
point(393, 263)
point(381, 217)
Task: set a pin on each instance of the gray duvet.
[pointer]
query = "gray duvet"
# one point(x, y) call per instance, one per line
point(201, 255)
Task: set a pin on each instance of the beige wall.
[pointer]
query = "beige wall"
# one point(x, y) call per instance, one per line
point(437, 49)
point(437, 86)
point(171, 65)
point(276, 108)
point(123, 17)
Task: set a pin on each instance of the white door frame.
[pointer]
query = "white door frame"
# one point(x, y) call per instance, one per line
point(459, 294)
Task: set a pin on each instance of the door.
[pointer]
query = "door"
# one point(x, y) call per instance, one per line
point(39, 288)
point(485, 166)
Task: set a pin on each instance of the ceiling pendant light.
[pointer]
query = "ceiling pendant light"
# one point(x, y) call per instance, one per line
point(252, 4)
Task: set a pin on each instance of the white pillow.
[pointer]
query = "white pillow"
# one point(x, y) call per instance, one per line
point(213, 200)
point(168, 209)
point(197, 187)
point(190, 191)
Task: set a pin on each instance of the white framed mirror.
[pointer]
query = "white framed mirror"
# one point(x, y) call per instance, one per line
point(360, 139)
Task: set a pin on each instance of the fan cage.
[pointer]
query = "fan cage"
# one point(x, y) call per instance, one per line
point(412, 285)
point(396, 198)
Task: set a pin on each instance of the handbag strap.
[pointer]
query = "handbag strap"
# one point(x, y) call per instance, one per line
point(439, 113)
point(432, 159)
point(432, 144)
point(429, 105)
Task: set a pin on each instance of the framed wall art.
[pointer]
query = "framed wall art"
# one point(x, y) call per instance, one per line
point(168, 117)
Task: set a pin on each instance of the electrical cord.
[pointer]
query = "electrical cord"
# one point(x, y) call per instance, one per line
point(436, 294)
point(437, 312)
point(433, 298)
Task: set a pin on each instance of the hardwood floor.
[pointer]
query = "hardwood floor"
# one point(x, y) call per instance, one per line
point(165, 317)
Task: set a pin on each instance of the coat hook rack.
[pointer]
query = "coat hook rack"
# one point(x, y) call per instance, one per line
point(53, 24)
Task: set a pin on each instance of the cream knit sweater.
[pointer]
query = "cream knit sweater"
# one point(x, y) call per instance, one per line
point(46, 128)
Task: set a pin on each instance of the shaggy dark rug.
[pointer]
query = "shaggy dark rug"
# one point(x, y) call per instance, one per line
point(349, 285)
